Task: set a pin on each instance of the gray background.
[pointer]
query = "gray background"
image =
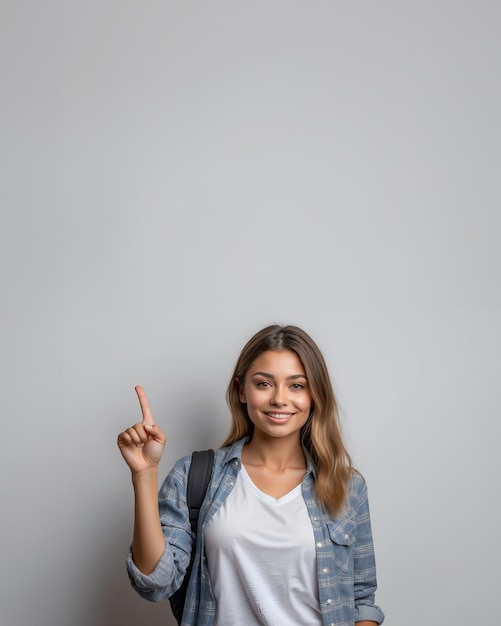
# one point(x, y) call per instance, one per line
point(176, 175)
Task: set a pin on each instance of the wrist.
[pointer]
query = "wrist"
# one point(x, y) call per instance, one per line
point(146, 476)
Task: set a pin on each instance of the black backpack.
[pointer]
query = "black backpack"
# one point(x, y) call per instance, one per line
point(199, 477)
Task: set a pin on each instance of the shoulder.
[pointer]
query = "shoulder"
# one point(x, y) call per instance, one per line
point(357, 484)
point(222, 456)
point(182, 466)
point(357, 496)
point(177, 478)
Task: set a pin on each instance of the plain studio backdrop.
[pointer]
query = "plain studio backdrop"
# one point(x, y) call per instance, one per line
point(177, 175)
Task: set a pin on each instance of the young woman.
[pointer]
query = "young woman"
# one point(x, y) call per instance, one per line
point(284, 532)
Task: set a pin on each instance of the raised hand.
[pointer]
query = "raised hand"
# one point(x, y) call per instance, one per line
point(142, 445)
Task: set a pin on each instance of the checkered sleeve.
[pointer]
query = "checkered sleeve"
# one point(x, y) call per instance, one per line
point(169, 572)
point(364, 566)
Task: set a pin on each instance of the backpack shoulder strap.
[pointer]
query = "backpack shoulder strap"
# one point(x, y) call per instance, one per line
point(199, 477)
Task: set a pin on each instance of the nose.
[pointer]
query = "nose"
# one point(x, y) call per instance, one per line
point(279, 397)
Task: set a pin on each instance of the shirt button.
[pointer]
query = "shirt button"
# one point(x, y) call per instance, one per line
point(230, 484)
point(314, 519)
point(329, 601)
point(346, 537)
point(319, 545)
point(235, 462)
point(325, 570)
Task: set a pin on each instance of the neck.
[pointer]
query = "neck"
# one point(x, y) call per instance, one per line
point(275, 453)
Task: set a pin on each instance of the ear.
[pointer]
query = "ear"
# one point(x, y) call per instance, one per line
point(241, 392)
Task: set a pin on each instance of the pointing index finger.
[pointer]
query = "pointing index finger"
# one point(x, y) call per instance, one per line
point(145, 407)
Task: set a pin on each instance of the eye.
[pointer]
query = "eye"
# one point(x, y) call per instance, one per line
point(297, 386)
point(263, 384)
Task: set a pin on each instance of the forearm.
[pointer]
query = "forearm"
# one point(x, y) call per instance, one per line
point(148, 542)
point(366, 623)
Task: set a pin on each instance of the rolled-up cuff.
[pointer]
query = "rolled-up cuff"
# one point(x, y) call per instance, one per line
point(160, 584)
point(369, 612)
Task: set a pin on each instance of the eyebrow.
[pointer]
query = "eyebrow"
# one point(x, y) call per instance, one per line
point(271, 377)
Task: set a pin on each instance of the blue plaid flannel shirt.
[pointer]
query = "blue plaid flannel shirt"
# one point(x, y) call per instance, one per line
point(346, 568)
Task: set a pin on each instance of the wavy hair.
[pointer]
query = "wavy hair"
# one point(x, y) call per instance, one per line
point(321, 435)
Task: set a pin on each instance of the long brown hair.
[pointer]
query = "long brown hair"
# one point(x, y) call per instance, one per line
point(321, 435)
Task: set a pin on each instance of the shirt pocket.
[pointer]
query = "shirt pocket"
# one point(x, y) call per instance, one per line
point(342, 536)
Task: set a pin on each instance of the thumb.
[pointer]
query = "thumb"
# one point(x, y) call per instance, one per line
point(155, 433)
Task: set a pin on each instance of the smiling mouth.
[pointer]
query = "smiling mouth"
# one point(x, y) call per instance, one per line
point(279, 416)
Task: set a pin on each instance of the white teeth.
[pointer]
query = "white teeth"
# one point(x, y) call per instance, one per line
point(280, 416)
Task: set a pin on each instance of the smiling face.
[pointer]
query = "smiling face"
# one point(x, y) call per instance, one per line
point(277, 394)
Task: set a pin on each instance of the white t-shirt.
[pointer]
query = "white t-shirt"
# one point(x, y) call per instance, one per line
point(261, 558)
